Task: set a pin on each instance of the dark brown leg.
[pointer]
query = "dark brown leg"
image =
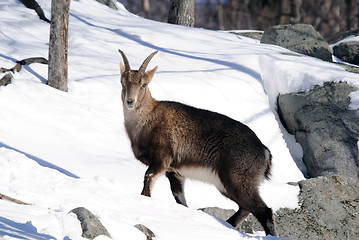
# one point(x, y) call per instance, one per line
point(153, 171)
point(176, 182)
point(238, 217)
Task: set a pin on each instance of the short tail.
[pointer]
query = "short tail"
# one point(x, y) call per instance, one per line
point(268, 157)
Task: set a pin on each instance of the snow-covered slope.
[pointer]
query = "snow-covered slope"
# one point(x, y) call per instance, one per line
point(64, 150)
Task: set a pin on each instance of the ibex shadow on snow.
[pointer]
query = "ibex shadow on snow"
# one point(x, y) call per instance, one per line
point(185, 142)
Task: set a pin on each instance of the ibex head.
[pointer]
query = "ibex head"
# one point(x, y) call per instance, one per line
point(134, 82)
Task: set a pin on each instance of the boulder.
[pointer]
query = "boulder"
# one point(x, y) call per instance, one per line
point(249, 225)
point(325, 127)
point(91, 226)
point(300, 38)
point(329, 209)
point(145, 230)
point(347, 52)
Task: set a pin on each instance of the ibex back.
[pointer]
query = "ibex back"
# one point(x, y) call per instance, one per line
point(185, 142)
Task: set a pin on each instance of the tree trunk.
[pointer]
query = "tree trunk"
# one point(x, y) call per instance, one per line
point(352, 14)
point(181, 12)
point(147, 8)
point(220, 15)
point(57, 73)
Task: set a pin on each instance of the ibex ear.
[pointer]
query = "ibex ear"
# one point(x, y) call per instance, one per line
point(122, 68)
point(149, 74)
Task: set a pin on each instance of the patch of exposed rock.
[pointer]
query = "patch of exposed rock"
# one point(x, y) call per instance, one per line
point(145, 230)
point(347, 52)
point(91, 226)
point(249, 225)
point(325, 127)
point(300, 38)
point(329, 209)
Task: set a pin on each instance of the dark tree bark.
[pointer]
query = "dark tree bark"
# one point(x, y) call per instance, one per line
point(32, 4)
point(147, 8)
point(181, 12)
point(57, 73)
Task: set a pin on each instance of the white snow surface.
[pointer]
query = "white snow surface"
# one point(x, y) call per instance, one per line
point(59, 151)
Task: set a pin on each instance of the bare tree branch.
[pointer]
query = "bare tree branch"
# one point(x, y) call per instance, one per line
point(32, 4)
point(4, 197)
point(6, 79)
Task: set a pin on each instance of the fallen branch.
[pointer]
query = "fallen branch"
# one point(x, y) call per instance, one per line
point(32, 4)
point(6, 79)
point(2, 196)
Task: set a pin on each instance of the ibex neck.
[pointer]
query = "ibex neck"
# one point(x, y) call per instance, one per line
point(148, 104)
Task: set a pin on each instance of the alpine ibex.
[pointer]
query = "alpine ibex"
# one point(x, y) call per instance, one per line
point(185, 142)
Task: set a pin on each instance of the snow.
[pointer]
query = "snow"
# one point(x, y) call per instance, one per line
point(59, 151)
point(351, 38)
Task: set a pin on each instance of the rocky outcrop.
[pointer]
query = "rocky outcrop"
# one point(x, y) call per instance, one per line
point(326, 128)
point(300, 38)
point(329, 209)
point(347, 52)
point(91, 226)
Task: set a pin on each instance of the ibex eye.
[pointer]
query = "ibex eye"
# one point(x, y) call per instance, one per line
point(144, 85)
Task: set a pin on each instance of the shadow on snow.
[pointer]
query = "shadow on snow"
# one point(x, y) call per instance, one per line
point(41, 162)
point(21, 230)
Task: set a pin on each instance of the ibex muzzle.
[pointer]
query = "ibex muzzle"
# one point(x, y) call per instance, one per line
point(185, 142)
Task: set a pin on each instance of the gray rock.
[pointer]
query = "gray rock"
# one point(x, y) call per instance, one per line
point(148, 233)
point(249, 225)
point(324, 126)
point(300, 38)
point(347, 52)
point(329, 209)
point(220, 213)
point(349, 68)
point(91, 226)
point(353, 32)
point(250, 34)
point(108, 3)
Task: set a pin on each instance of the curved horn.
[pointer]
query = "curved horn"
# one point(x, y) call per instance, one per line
point(125, 61)
point(145, 63)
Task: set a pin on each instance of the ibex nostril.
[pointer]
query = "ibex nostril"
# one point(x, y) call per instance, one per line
point(130, 102)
